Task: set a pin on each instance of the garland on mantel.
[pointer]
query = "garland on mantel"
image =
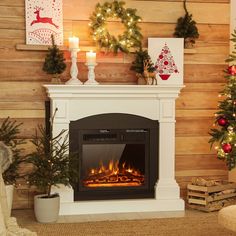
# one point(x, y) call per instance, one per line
point(131, 37)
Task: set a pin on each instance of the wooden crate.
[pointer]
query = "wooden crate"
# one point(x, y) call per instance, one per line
point(211, 198)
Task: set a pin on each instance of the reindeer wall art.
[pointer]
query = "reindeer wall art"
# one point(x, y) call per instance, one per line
point(44, 18)
point(40, 19)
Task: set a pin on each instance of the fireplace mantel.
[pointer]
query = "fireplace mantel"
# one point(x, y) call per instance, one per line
point(154, 102)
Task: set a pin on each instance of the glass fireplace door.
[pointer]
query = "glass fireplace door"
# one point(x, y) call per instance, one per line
point(113, 165)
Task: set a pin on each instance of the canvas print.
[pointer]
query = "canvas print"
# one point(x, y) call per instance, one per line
point(167, 56)
point(43, 19)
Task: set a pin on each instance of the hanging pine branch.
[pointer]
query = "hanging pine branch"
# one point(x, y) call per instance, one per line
point(186, 28)
point(224, 135)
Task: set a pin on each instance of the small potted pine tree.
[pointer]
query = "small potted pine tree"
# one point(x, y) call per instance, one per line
point(52, 165)
point(186, 28)
point(9, 132)
point(54, 63)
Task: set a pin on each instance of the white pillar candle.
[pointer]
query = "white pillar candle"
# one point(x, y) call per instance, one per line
point(91, 57)
point(73, 42)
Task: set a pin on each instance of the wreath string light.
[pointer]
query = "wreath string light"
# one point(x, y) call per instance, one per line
point(131, 37)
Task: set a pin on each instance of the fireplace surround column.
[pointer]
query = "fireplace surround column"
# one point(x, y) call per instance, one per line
point(166, 186)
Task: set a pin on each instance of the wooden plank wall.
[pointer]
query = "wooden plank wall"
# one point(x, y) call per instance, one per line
point(21, 77)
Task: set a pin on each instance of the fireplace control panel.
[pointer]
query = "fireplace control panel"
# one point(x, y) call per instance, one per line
point(114, 135)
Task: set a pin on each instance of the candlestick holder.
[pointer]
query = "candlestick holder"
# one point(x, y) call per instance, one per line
point(91, 74)
point(74, 69)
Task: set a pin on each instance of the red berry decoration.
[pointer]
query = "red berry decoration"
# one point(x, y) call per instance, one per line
point(222, 121)
point(232, 70)
point(227, 147)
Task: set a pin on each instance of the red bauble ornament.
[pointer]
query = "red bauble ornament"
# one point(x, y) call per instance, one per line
point(222, 121)
point(227, 147)
point(232, 70)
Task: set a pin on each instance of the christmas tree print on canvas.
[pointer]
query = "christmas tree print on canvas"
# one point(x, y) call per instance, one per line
point(165, 64)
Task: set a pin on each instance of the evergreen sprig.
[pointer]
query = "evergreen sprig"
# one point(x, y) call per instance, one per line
point(232, 56)
point(54, 61)
point(9, 132)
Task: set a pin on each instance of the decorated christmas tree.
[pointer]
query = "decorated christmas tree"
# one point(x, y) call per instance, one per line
point(186, 28)
point(224, 135)
point(54, 62)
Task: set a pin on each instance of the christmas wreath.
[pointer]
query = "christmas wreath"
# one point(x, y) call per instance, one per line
point(131, 37)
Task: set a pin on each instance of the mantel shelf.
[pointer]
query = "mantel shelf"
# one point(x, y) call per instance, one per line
point(31, 47)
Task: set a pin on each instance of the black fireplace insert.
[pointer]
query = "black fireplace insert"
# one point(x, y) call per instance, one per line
point(117, 156)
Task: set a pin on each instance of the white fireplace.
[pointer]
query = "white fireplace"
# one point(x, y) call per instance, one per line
point(154, 102)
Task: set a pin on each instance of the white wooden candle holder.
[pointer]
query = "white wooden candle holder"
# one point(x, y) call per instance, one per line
point(91, 74)
point(74, 69)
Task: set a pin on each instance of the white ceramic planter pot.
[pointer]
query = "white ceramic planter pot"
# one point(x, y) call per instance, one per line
point(9, 193)
point(46, 209)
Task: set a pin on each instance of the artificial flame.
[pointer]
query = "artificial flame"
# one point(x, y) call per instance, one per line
point(112, 175)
